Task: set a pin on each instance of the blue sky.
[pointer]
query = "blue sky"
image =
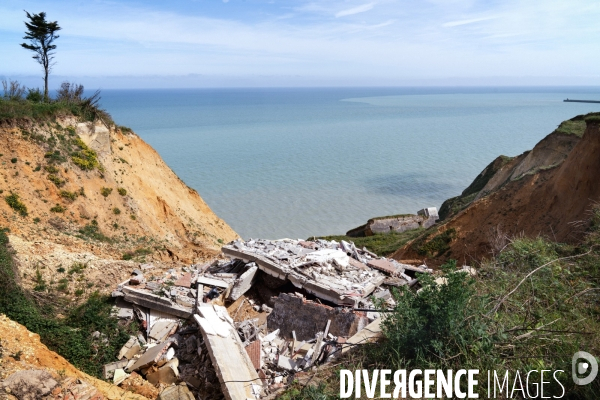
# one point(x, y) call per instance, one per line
point(183, 43)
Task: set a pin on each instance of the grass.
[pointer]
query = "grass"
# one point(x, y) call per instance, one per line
point(70, 336)
point(435, 247)
point(571, 127)
point(20, 109)
point(380, 244)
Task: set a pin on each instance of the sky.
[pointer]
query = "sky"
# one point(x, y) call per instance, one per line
point(214, 43)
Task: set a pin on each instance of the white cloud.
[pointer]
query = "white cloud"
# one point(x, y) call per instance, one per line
point(355, 10)
point(466, 21)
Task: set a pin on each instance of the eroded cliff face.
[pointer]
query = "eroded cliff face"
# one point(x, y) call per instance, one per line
point(95, 196)
point(549, 191)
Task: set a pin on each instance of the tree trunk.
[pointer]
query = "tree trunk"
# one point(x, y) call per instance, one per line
point(46, 85)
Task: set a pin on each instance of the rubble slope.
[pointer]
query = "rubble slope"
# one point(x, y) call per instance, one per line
point(549, 200)
point(21, 350)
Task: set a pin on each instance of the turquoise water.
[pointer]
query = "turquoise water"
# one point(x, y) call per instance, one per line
point(300, 162)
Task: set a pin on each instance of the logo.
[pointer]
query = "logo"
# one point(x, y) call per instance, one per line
point(580, 367)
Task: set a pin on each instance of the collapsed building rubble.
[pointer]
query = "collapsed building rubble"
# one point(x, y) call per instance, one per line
point(190, 345)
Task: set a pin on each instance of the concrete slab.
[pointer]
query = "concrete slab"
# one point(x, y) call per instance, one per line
point(369, 333)
point(151, 356)
point(243, 283)
point(384, 265)
point(232, 364)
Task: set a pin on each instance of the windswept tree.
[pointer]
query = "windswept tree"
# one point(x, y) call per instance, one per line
point(41, 35)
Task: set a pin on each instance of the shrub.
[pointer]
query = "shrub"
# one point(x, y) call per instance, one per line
point(16, 204)
point(105, 191)
point(68, 195)
point(116, 211)
point(439, 323)
point(58, 209)
point(55, 157)
point(40, 283)
point(60, 269)
point(77, 268)
point(51, 169)
point(92, 231)
point(122, 191)
point(56, 180)
point(86, 158)
point(36, 220)
point(34, 95)
point(133, 217)
point(63, 285)
point(13, 160)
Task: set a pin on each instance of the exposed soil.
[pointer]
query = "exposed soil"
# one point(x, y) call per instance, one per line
point(552, 202)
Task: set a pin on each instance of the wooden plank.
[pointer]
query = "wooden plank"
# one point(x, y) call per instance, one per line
point(231, 361)
point(369, 333)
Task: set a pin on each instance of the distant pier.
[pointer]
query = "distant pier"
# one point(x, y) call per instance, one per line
point(581, 101)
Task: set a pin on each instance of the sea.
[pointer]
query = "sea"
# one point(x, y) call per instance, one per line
point(301, 162)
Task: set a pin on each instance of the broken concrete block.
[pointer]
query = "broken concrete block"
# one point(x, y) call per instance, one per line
point(232, 364)
point(212, 282)
point(292, 313)
point(243, 283)
point(154, 302)
point(184, 281)
point(179, 392)
point(151, 356)
point(131, 348)
point(385, 266)
point(162, 329)
point(286, 363)
point(109, 369)
point(119, 376)
point(137, 279)
point(167, 374)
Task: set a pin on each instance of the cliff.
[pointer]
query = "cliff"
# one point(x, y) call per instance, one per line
point(547, 191)
point(86, 196)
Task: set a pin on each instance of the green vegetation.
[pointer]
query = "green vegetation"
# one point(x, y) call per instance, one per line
point(137, 254)
point(529, 308)
point(105, 191)
point(435, 247)
point(92, 231)
point(58, 209)
point(70, 336)
point(69, 101)
point(13, 160)
point(56, 180)
point(77, 268)
point(122, 191)
point(380, 244)
point(571, 127)
point(16, 204)
point(85, 158)
point(55, 157)
point(116, 211)
point(68, 195)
